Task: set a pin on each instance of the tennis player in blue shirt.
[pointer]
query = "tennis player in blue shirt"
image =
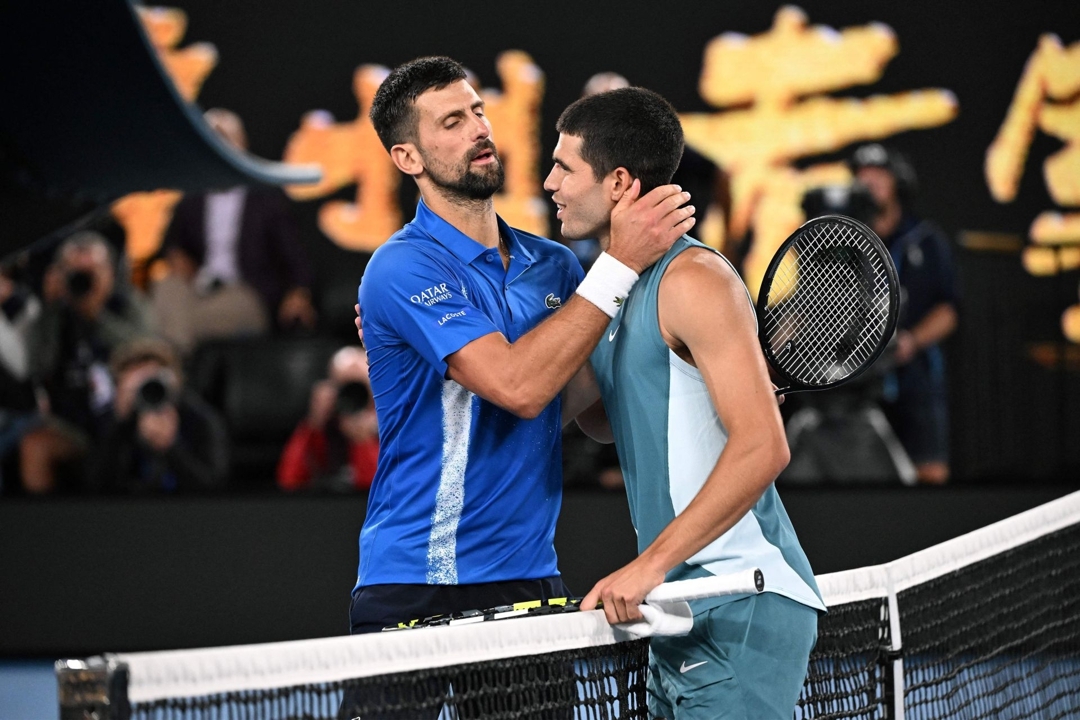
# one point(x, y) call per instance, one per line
point(688, 401)
point(472, 330)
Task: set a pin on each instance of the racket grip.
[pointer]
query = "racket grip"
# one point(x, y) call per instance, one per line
point(750, 581)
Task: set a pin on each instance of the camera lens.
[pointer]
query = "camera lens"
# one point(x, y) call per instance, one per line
point(153, 394)
point(79, 283)
point(352, 397)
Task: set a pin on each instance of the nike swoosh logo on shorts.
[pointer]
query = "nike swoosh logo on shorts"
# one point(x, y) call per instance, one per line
point(611, 335)
point(686, 667)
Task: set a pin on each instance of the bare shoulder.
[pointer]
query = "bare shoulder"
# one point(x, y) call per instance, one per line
point(700, 294)
point(698, 273)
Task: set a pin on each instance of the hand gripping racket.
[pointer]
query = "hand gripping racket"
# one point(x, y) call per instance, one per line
point(827, 305)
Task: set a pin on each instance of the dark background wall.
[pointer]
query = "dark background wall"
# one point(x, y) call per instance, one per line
point(81, 576)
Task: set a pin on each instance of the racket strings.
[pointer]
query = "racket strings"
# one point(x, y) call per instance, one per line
point(828, 305)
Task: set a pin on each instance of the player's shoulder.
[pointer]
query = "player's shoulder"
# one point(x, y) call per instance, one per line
point(693, 261)
point(699, 279)
point(403, 251)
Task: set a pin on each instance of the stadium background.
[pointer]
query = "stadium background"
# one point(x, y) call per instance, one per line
point(1012, 413)
point(77, 572)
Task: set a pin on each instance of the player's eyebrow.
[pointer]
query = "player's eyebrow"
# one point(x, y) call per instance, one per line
point(460, 113)
point(452, 113)
point(558, 161)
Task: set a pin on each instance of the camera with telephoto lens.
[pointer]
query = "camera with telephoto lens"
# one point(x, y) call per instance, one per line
point(79, 283)
point(352, 397)
point(156, 393)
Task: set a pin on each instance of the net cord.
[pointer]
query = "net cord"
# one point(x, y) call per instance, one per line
point(211, 671)
point(877, 581)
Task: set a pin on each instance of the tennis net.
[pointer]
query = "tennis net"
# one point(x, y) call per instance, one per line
point(986, 625)
point(983, 626)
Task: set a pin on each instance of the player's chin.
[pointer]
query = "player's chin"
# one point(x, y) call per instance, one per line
point(570, 231)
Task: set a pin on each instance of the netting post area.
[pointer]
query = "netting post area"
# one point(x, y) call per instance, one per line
point(93, 689)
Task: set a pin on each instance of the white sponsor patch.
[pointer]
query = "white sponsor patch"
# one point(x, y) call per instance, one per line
point(432, 295)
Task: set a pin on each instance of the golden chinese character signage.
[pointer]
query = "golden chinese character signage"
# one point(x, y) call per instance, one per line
point(1046, 99)
point(773, 87)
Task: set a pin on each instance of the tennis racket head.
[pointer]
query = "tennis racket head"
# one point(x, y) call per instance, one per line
point(828, 304)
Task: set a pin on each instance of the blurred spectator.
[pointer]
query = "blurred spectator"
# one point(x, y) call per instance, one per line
point(18, 311)
point(337, 446)
point(163, 438)
point(916, 394)
point(235, 262)
point(85, 316)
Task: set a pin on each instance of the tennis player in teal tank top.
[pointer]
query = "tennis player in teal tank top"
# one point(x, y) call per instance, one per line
point(687, 398)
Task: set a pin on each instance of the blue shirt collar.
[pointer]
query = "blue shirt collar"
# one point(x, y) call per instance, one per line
point(460, 244)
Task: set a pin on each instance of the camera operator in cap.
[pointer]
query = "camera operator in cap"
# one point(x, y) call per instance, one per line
point(336, 447)
point(163, 439)
point(86, 314)
point(916, 395)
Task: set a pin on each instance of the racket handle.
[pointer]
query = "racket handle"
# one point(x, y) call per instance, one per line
point(746, 582)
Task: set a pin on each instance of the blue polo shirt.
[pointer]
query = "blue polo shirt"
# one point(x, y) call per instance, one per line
point(465, 492)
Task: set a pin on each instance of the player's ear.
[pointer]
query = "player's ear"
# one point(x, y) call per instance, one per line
point(407, 158)
point(620, 181)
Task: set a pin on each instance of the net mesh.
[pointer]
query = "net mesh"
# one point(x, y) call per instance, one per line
point(984, 626)
point(827, 309)
point(999, 638)
point(847, 676)
point(594, 683)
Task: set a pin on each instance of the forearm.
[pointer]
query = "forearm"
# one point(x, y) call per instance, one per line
point(579, 396)
point(937, 325)
point(594, 423)
point(525, 376)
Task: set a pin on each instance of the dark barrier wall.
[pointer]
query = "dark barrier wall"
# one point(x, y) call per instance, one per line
point(87, 576)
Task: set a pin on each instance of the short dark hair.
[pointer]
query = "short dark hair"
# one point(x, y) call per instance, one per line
point(393, 111)
point(142, 350)
point(630, 127)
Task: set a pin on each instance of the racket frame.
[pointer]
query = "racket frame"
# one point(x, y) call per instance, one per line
point(893, 282)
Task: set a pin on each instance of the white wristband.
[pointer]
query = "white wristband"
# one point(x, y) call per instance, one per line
point(607, 284)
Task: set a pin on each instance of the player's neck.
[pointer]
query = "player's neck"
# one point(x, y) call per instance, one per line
point(474, 218)
point(604, 238)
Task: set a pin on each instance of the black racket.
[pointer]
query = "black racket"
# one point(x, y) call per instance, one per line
point(828, 304)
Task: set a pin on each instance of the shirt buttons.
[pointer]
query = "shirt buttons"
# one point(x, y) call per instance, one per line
point(490, 257)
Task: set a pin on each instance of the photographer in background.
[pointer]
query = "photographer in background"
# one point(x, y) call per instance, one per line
point(163, 439)
point(336, 447)
point(917, 393)
point(85, 316)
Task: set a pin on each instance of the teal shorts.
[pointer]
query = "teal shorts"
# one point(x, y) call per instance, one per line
point(743, 660)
